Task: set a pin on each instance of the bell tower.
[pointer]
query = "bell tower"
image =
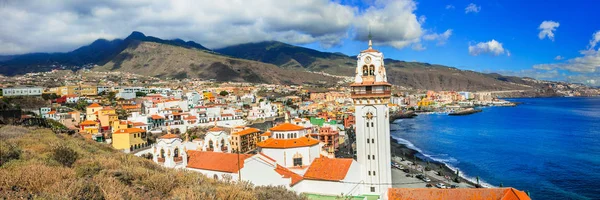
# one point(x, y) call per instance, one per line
point(371, 95)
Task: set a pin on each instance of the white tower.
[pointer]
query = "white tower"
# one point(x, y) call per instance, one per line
point(371, 94)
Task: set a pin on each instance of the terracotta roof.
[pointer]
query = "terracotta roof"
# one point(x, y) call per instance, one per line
point(287, 127)
point(458, 193)
point(369, 50)
point(131, 107)
point(246, 131)
point(190, 118)
point(52, 112)
point(226, 115)
point(328, 169)
point(169, 136)
point(139, 124)
point(216, 161)
point(216, 129)
point(88, 122)
point(155, 117)
point(268, 133)
point(94, 105)
point(286, 173)
point(129, 131)
point(288, 143)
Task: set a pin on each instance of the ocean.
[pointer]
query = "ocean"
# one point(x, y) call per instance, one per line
point(549, 147)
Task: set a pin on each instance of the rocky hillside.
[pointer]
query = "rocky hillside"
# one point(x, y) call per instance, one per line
point(412, 75)
point(38, 164)
point(164, 60)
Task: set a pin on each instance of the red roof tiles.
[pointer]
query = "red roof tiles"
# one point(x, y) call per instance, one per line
point(287, 127)
point(328, 169)
point(288, 143)
point(246, 131)
point(216, 161)
point(286, 173)
point(458, 193)
point(129, 131)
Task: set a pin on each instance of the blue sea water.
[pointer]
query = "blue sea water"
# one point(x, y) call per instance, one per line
point(549, 147)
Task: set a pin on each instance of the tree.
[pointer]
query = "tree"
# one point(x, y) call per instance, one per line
point(140, 94)
point(224, 93)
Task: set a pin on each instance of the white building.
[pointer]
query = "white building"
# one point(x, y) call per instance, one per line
point(22, 91)
point(291, 147)
point(371, 96)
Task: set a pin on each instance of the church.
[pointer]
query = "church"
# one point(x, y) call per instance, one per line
point(289, 157)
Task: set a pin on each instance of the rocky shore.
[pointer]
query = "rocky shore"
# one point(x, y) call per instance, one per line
point(408, 154)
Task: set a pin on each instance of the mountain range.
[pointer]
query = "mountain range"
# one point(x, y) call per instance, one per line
point(262, 62)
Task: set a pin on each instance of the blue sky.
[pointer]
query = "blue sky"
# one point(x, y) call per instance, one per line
point(512, 23)
point(485, 36)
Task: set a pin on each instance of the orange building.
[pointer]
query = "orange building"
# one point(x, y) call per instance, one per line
point(245, 140)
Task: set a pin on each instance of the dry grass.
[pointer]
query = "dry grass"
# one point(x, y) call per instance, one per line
point(99, 172)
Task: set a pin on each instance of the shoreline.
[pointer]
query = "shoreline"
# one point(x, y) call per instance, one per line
point(398, 149)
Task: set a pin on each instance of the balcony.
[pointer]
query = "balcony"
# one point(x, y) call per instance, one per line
point(370, 93)
point(161, 160)
point(178, 159)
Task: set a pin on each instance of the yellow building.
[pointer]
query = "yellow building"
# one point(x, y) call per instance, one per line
point(89, 127)
point(129, 138)
point(88, 90)
point(91, 111)
point(245, 139)
point(107, 115)
point(424, 102)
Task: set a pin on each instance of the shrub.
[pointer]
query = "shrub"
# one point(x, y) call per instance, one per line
point(275, 192)
point(85, 189)
point(9, 151)
point(88, 169)
point(64, 155)
point(148, 156)
point(123, 176)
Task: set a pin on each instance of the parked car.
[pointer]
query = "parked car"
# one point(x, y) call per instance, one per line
point(426, 179)
point(440, 185)
point(453, 186)
point(405, 170)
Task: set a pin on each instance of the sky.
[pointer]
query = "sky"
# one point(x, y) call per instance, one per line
point(551, 40)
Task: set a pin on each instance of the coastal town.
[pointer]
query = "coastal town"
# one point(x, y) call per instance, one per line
point(322, 141)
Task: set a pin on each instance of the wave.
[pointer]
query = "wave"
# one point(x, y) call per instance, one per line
point(446, 161)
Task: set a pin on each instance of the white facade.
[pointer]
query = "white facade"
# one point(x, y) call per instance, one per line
point(216, 140)
point(22, 91)
point(285, 157)
point(371, 97)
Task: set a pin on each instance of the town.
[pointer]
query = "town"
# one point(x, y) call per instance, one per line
point(317, 140)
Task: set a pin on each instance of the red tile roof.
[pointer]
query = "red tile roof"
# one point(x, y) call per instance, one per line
point(287, 127)
point(268, 133)
point(88, 122)
point(262, 154)
point(286, 173)
point(246, 131)
point(288, 143)
point(94, 105)
point(216, 161)
point(129, 131)
point(216, 129)
point(328, 169)
point(169, 136)
point(155, 117)
point(458, 193)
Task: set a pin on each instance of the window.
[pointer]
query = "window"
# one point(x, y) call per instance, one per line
point(372, 140)
point(369, 173)
point(367, 140)
point(297, 161)
point(373, 173)
point(367, 124)
point(372, 124)
point(372, 189)
point(373, 157)
point(368, 157)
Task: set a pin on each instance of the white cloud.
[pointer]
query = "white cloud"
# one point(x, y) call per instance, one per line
point(392, 23)
point(472, 8)
point(589, 62)
point(595, 39)
point(491, 47)
point(558, 57)
point(418, 47)
point(440, 37)
point(63, 25)
point(449, 6)
point(547, 29)
point(48, 26)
